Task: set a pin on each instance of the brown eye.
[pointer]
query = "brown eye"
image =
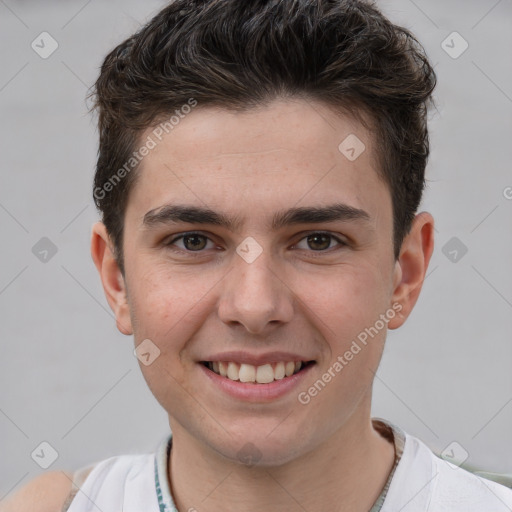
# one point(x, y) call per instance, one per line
point(319, 242)
point(192, 242)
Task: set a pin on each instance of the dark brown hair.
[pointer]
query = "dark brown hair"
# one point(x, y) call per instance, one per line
point(242, 54)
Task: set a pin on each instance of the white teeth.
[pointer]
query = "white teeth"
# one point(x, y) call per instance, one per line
point(233, 371)
point(247, 373)
point(279, 372)
point(263, 374)
point(223, 369)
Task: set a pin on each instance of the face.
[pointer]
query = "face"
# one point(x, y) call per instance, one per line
point(291, 263)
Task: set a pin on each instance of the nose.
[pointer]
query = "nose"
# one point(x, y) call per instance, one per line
point(255, 295)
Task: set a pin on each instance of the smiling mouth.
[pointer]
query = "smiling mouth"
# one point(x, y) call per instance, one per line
point(263, 374)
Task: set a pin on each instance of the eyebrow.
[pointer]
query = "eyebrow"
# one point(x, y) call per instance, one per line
point(172, 213)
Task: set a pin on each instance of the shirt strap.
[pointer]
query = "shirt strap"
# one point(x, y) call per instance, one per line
point(163, 492)
point(79, 477)
point(396, 435)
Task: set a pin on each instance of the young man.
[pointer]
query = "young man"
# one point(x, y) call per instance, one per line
point(260, 169)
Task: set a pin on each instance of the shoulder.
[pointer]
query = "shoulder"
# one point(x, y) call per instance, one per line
point(45, 493)
point(457, 487)
point(450, 488)
point(54, 491)
point(423, 481)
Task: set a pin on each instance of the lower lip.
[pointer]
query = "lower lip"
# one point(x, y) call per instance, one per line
point(257, 392)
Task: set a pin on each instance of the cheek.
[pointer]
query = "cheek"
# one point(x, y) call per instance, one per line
point(160, 309)
point(168, 311)
point(170, 308)
point(164, 302)
point(346, 315)
point(346, 302)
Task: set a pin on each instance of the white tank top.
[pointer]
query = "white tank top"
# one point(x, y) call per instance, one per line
point(138, 483)
point(420, 481)
point(125, 483)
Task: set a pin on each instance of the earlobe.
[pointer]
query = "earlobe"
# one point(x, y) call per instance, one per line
point(411, 267)
point(111, 277)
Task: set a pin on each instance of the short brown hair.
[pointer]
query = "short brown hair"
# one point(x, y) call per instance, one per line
point(242, 54)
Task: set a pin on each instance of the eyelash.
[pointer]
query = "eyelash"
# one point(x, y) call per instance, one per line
point(200, 252)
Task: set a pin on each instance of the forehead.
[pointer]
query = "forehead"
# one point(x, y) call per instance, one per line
point(288, 153)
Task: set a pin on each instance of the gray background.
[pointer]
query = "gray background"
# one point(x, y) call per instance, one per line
point(69, 378)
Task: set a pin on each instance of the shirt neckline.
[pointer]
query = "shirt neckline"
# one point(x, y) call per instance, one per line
point(166, 503)
point(163, 491)
point(395, 434)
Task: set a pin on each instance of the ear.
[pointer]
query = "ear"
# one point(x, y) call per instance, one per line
point(411, 267)
point(111, 277)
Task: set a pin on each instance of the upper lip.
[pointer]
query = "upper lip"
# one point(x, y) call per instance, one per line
point(256, 359)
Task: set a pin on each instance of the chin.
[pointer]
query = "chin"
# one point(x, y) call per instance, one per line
point(262, 447)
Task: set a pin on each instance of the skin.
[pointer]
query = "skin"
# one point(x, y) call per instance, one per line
point(45, 493)
point(294, 297)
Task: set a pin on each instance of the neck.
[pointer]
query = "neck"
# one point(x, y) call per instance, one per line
point(350, 469)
